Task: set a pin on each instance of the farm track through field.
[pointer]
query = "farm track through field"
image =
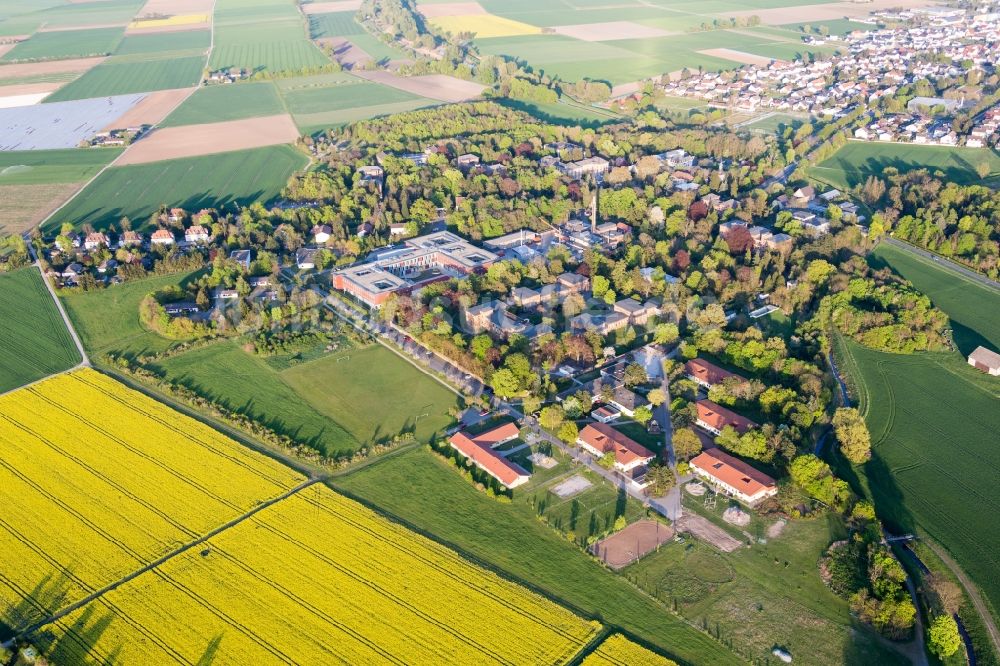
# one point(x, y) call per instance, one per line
point(98, 594)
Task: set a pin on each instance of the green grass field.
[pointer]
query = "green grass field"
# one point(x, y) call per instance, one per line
point(337, 98)
point(335, 404)
point(163, 42)
point(227, 102)
point(210, 181)
point(269, 34)
point(562, 113)
point(335, 24)
point(122, 77)
point(34, 342)
point(107, 320)
point(427, 493)
point(38, 167)
point(853, 163)
point(66, 44)
point(934, 422)
point(590, 513)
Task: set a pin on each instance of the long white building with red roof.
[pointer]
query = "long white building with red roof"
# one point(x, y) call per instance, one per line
point(479, 449)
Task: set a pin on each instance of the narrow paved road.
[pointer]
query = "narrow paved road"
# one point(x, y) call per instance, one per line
point(944, 263)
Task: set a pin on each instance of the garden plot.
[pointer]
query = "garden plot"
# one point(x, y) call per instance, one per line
point(609, 31)
point(632, 543)
point(61, 124)
point(193, 140)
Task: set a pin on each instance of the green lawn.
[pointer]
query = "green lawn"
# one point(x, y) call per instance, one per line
point(160, 42)
point(37, 167)
point(562, 113)
point(122, 77)
point(429, 495)
point(853, 163)
point(934, 422)
point(193, 183)
point(219, 103)
point(107, 320)
point(766, 595)
point(590, 513)
point(335, 404)
point(66, 44)
point(34, 342)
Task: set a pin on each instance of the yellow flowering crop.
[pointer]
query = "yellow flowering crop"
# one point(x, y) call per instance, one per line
point(616, 650)
point(97, 480)
point(318, 578)
point(170, 21)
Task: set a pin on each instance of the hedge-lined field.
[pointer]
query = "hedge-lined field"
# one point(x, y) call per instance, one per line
point(34, 342)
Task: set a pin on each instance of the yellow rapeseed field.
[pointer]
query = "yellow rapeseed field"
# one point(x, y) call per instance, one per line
point(485, 25)
point(616, 650)
point(97, 480)
point(318, 578)
point(170, 21)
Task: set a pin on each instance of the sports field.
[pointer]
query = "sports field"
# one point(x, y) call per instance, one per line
point(123, 75)
point(858, 160)
point(66, 44)
point(510, 538)
point(34, 342)
point(318, 578)
point(335, 404)
point(97, 481)
point(934, 422)
point(193, 183)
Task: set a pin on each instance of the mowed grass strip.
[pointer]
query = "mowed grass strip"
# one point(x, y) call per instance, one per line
point(318, 578)
point(210, 181)
point(97, 480)
point(34, 342)
point(133, 76)
point(227, 102)
point(510, 538)
point(66, 44)
point(856, 161)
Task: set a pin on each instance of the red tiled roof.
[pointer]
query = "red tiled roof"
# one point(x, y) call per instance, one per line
point(479, 452)
point(733, 472)
point(719, 417)
point(497, 435)
point(606, 439)
point(707, 372)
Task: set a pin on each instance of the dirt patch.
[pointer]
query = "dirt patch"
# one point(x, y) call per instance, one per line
point(153, 108)
point(774, 531)
point(193, 140)
point(434, 86)
point(24, 70)
point(828, 12)
point(25, 206)
point(28, 89)
point(610, 30)
point(175, 7)
point(328, 7)
point(5, 48)
point(708, 532)
point(180, 27)
point(574, 485)
point(738, 56)
point(344, 52)
point(632, 543)
point(437, 10)
point(89, 26)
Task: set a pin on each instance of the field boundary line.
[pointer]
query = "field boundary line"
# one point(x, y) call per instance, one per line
point(94, 596)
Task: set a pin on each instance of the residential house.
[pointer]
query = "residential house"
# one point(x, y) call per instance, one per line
point(96, 240)
point(242, 257)
point(630, 457)
point(321, 233)
point(606, 414)
point(985, 360)
point(714, 418)
point(397, 229)
point(480, 450)
point(603, 323)
point(706, 374)
point(638, 313)
point(197, 234)
point(467, 161)
point(130, 239)
point(305, 258)
point(162, 237)
point(591, 166)
point(733, 477)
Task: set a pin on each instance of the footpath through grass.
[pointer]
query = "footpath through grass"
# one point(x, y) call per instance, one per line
point(34, 342)
point(934, 422)
point(422, 490)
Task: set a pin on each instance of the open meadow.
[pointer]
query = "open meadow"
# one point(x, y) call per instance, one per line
point(427, 493)
point(34, 342)
point(193, 183)
point(855, 162)
point(934, 422)
point(335, 404)
point(98, 481)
